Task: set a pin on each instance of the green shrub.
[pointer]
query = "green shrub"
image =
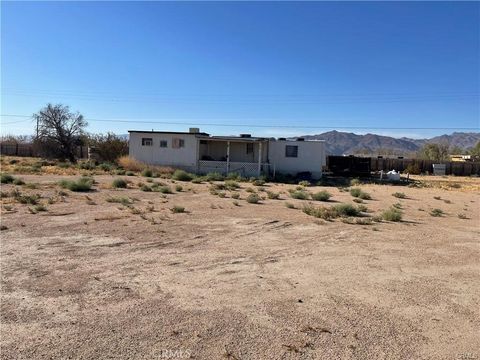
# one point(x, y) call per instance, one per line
point(130, 173)
point(82, 184)
point(197, 180)
point(250, 190)
point(221, 194)
point(357, 200)
point(304, 183)
point(40, 207)
point(177, 209)
point(413, 169)
point(253, 198)
point(120, 200)
point(346, 210)
point(362, 208)
point(358, 193)
point(289, 205)
point(178, 188)
point(235, 195)
point(299, 194)
point(145, 188)
point(273, 195)
point(321, 196)
point(436, 212)
point(6, 178)
point(399, 195)
point(258, 182)
point(119, 184)
point(233, 176)
point(214, 176)
point(231, 184)
point(86, 165)
point(26, 199)
point(163, 189)
point(147, 172)
point(355, 182)
point(392, 214)
point(18, 181)
point(64, 165)
point(326, 213)
point(106, 166)
point(120, 172)
point(182, 175)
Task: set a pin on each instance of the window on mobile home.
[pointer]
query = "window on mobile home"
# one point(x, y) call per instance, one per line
point(291, 151)
point(147, 141)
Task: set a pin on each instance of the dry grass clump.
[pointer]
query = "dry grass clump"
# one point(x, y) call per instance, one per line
point(273, 195)
point(399, 195)
point(82, 184)
point(182, 175)
point(393, 214)
point(129, 163)
point(359, 193)
point(290, 205)
point(328, 213)
point(119, 184)
point(436, 212)
point(253, 198)
point(298, 194)
point(177, 209)
point(321, 196)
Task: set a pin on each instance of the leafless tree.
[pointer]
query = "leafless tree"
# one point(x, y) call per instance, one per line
point(59, 130)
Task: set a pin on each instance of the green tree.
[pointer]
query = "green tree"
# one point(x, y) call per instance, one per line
point(475, 151)
point(433, 151)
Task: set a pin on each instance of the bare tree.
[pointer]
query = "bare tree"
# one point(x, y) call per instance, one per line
point(59, 130)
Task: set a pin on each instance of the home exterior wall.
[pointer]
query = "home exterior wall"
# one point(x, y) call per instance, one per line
point(185, 158)
point(311, 157)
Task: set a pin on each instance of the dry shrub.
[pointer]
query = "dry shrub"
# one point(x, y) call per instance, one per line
point(131, 164)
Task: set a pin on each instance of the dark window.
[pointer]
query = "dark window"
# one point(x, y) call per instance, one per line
point(147, 142)
point(249, 148)
point(163, 143)
point(203, 142)
point(291, 151)
point(178, 143)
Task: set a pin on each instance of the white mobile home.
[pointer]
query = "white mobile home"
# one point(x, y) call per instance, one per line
point(200, 152)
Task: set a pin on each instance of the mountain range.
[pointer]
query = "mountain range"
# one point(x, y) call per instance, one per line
point(343, 143)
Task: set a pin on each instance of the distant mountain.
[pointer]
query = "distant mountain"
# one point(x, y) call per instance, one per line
point(343, 143)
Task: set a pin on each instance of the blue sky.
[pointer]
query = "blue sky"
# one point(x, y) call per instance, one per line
point(311, 64)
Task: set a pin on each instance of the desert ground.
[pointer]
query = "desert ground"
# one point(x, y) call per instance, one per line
point(88, 278)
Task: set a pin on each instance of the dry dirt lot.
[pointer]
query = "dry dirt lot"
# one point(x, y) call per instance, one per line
point(93, 279)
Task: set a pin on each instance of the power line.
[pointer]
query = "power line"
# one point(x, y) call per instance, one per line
point(190, 123)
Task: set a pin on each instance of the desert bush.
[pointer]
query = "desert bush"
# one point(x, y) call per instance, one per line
point(177, 209)
point(120, 200)
point(108, 147)
point(321, 196)
point(26, 199)
point(178, 188)
point(346, 210)
point(299, 194)
point(236, 203)
point(250, 190)
point(258, 182)
point(231, 184)
point(273, 195)
point(446, 201)
point(119, 184)
point(182, 175)
point(399, 195)
point(163, 189)
point(106, 167)
point(197, 180)
point(455, 185)
point(147, 172)
point(362, 208)
point(462, 216)
point(129, 173)
point(357, 200)
point(290, 205)
point(235, 195)
point(82, 184)
point(436, 212)
point(214, 176)
point(145, 188)
point(120, 172)
point(131, 164)
point(253, 198)
point(359, 193)
point(6, 178)
point(392, 214)
point(304, 183)
point(39, 207)
point(222, 194)
point(86, 165)
point(397, 206)
point(323, 212)
point(18, 181)
point(355, 182)
point(413, 169)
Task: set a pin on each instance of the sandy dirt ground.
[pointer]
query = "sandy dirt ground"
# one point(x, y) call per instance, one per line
point(91, 279)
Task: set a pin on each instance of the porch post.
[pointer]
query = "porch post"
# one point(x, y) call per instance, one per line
point(259, 158)
point(228, 157)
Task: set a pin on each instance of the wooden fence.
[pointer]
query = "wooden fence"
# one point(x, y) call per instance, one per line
point(351, 166)
point(29, 150)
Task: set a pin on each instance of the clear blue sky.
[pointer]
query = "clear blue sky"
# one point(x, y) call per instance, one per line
point(332, 64)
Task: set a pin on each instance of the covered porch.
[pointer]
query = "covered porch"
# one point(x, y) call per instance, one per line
point(246, 156)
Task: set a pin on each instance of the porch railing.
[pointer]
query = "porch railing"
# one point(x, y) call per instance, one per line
point(242, 168)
